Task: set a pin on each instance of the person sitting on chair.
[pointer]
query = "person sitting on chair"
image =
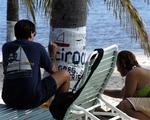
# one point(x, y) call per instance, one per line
point(136, 92)
point(22, 60)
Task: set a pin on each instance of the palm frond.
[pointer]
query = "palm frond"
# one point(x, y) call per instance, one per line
point(30, 4)
point(131, 21)
point(147, 1)
point(46, 6)
point(34, 6)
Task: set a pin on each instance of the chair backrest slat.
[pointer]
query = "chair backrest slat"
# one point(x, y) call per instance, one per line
point(97, 82)
point(38, 113)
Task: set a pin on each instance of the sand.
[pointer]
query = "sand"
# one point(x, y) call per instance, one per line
point(115, 82)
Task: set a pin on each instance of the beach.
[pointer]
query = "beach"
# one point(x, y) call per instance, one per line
point(115, 82)
point(100, 33)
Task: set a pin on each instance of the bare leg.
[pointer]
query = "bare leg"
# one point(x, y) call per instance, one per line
point(127, 107)
point(63, 84)
point(62, 79)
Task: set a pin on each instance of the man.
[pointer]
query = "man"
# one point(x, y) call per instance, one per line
point(22, 60)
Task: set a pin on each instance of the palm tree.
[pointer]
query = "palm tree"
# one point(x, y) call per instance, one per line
point(68, 30)
point(12, 18)
point(68, 27)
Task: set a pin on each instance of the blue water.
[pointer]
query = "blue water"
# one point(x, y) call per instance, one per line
point(102, 27)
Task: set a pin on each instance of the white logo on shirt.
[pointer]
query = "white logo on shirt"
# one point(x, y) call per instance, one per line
point(18, 61)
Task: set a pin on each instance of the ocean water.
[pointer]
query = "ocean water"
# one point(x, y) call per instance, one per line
point(102, 27)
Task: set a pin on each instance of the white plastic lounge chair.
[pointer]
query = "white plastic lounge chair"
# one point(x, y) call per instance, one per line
point(90, 97)
point(86, 102)
point(7, 113)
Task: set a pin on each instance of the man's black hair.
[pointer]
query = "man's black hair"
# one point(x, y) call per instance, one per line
point(23, 29)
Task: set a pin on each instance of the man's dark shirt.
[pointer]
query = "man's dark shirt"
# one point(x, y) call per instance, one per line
point(22, 79)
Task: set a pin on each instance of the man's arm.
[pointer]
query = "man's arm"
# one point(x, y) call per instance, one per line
point(115, 93)
point(52, 48)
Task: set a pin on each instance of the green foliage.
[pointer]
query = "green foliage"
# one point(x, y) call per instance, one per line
point(122, 9)
point(30, 4)
point(130, 19)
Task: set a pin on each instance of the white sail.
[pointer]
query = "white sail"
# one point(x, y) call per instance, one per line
point(19, 61)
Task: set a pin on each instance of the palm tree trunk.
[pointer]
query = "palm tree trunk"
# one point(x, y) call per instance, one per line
point(68, 30)
point(12, 18)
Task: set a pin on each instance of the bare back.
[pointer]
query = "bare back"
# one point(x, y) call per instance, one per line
point(136, 79)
